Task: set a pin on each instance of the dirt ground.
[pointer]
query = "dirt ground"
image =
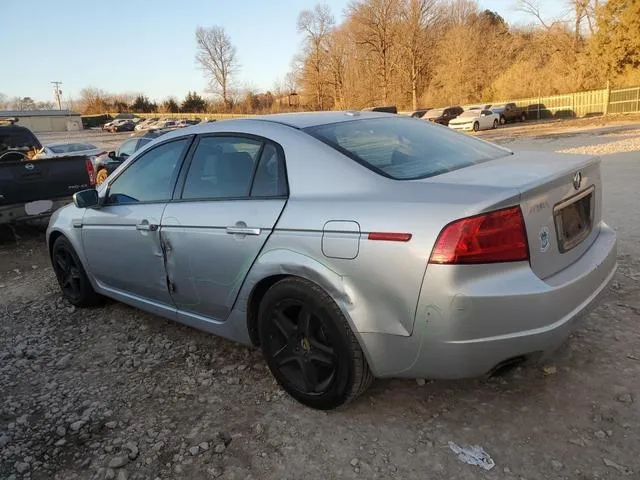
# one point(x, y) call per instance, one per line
point(115, 393)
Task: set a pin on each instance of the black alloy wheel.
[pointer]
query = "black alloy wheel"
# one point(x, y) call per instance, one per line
point(309, 346)
point(71, 276)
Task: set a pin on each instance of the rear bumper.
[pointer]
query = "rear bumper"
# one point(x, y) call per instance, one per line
point(471, 320)
point(16, 213)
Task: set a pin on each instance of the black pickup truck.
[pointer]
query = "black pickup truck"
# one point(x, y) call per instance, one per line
point(509, 112)
point(31, 188)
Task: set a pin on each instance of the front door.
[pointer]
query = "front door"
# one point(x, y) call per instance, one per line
point(233, 194)
point(122, 238)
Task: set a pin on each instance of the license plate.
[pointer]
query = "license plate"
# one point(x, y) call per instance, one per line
point(38, 207)
point(574, 220)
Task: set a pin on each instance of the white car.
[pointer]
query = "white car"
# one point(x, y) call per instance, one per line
point(475, 120)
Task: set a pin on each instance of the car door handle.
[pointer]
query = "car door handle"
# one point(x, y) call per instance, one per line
point(243, 231)
point(145, 226)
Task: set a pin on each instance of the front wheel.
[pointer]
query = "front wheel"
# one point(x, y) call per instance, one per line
point(309, 346)
point(72, 278)
point(101, 176)
point(503, 120)
point(495, 124)
point(476, 126)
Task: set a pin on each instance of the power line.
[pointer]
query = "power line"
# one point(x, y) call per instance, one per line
point(57, 92)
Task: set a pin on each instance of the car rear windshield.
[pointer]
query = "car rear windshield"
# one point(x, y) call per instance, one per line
point(405, 148)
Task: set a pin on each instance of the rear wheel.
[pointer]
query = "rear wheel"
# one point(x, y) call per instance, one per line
point(101, 176)
point(476, 126)
point(309, 346)
point(495, 124)
point(71, 276)
point(503, 120)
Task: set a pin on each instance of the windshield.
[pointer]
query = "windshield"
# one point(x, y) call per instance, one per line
point(497, 107)
point(470, 113)
point(434, 113)
point(405, 148)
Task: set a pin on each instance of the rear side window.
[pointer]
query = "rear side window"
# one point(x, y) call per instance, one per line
point(270, 180)
point(222, 167)
point(405, 148)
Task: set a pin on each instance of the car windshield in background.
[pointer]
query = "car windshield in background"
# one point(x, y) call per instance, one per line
point(498, 107)
point(470, 113)
point(405, 148)
point(434, 113)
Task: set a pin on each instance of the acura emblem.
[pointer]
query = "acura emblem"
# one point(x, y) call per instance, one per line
point(577, 180)
point(29, 166)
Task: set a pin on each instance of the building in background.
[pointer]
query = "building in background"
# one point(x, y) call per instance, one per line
point(45, 120)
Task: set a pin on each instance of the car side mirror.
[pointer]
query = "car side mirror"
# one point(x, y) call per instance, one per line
point(86, 199)
point(112, 155)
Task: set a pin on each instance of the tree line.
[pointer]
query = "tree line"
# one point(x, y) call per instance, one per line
point(415, 53)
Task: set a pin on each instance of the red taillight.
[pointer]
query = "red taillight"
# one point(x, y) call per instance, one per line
point(88, 165)
point(390, 236)
point(487, 238)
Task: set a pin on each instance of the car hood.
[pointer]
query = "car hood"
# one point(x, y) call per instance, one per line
point(459, 120)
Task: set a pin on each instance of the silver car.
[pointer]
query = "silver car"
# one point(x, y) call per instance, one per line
point(347, 246)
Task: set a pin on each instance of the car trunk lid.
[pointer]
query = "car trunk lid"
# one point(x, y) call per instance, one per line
point(560, 198)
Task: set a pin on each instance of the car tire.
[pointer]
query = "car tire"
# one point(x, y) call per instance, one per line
point(495, 124)
point(101, 176)
point(309, 346)
point(503, 120)
point(71, 276)
point(476, 126)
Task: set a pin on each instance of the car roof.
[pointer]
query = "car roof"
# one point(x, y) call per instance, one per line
point(312, 119)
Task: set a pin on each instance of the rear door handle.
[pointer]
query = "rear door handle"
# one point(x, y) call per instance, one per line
point(145, 226)
point(243, 231)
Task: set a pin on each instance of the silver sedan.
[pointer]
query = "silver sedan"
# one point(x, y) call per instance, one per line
point(346, 245)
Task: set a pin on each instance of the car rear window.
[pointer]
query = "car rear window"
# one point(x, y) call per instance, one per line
point(405, 148)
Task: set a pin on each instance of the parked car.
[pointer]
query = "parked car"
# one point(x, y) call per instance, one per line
point(60, 149)
point(509, 112)
point(186, 123)
point(123, 126)
point(386, 108)
point(145, 124)
point(442, 115)
point(128, 147)
point(33, 187)
point(475, 120)
point(283, 231)
point(107, 126)
point(419, 113)
point(164, 124)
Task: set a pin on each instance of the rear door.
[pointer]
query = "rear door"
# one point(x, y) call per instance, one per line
point(233, 193)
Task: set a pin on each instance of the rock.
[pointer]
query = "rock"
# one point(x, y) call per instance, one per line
point(178, 469)
point(600, 434)
point(21, 467)
point(550, 370)
point(158, 446)
point(611, 464)
point(204, 446)
point(111, 424)
point(4, 440)
point(64, 361)
point(196, 450)
point(110, 474)
point(133, 450)
point(60, 442)
point(75, 426)
point(625, 398)
point(354, 462)
point(228, 368)
point(421, 381)
point(506, 470)
point(61, 431)
point(411, 450)
point(214, 472)
point(219, 448)
point(233, 381)
point(556, 465)
point(259, 429)
point(122, 475)
point(118, 462)
point(22, 420)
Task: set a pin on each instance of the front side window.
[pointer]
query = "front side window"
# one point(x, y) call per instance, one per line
point(222, 167)
point(151, 177)
point(405, 148)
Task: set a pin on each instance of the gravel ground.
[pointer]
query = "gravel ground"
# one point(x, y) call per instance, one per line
point(115, 393)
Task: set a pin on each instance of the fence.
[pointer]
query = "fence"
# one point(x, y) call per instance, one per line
point(580, 104)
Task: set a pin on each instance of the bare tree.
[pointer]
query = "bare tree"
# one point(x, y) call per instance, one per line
point(316, 24)
point(532, 8)
point(417, 17)
point(377, 30)
point(216, 56)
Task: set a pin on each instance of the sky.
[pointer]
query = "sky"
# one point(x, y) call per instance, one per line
point(141, 46)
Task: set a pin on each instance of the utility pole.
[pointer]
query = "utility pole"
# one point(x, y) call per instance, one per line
point(57, 92)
